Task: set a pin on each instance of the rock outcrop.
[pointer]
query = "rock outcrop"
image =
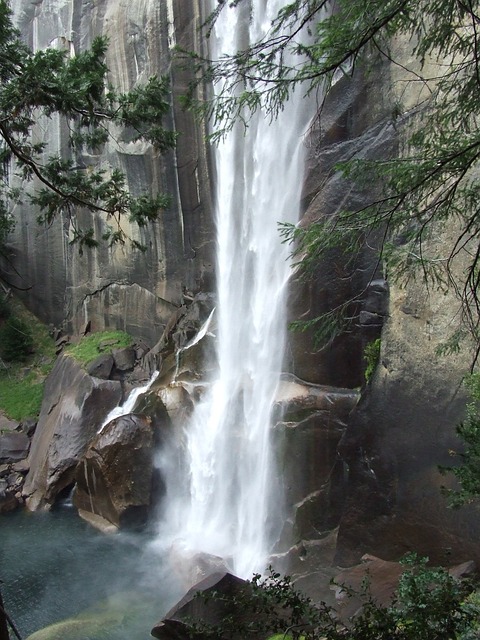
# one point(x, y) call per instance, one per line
point(15, 440)
point(313, 421)
point(115, 480)
point(354, 123)
point(73, 408)
point(400, 433)
point(378, 580)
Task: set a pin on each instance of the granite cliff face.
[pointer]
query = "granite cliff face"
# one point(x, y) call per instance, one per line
point(370, 478)
point(403, 427)
point(120, 288)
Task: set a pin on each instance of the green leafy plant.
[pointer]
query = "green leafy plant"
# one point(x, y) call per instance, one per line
point(468, 471)
point(429, 604)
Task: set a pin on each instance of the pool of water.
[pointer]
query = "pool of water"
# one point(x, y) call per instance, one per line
point(54, 566)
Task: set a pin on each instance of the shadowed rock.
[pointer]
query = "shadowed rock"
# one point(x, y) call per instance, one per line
point(177, 624)
point(115, 479)
point(101, 367)
point(14, 446)
point(73, 408)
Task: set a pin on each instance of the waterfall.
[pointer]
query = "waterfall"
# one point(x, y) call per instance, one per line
point(232, 506)
point(129, 404)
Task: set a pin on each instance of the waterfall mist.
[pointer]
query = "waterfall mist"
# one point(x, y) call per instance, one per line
point(224, 497)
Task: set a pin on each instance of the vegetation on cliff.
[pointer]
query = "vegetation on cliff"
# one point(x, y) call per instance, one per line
point(27, 354)
point(55, 82)
point(468, 472)
point(94, 344)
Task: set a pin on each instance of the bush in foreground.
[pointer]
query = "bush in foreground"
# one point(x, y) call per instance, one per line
point(429, 604)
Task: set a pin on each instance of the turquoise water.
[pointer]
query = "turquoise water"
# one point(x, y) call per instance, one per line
point(54, 566)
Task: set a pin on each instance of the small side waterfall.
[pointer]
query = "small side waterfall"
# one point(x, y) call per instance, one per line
point(232, 506)
point(129, 404)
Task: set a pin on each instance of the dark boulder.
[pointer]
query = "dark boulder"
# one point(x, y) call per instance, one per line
point(204, 609)
point(6, 424)
point(227, 605)
point(14, 446)
point(101, 367)
point(124, 359)
point(8, 500)
point(116, 477)
point(73, 409)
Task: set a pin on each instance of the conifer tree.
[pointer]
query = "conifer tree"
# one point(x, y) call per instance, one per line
point(52, 83)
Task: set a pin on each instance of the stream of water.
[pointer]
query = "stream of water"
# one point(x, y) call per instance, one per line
point(232, 506)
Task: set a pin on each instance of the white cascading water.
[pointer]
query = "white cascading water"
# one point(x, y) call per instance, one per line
point(232, 505)
point(129, 404)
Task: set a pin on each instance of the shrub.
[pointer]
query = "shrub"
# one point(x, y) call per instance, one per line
point(468, 472)
point(5, 310)
point(429, 604)
point(16, 341)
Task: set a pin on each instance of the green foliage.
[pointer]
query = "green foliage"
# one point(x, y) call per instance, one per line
point(22, 381)
point(16, 341)
point(50, 83)
point(468, 473)
point(4, 308)
point(91, 346)
point(429, 604)
point(371, 355)
point(21, 396)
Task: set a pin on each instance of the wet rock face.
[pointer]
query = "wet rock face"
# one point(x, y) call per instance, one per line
point(115, 480)
point(119, 288)
point(401, 432)
point(354, 123)
point(313, 419)
point(404, 426)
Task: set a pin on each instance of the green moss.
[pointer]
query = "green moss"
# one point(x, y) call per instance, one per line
point(91, 346)
point(371, 355)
